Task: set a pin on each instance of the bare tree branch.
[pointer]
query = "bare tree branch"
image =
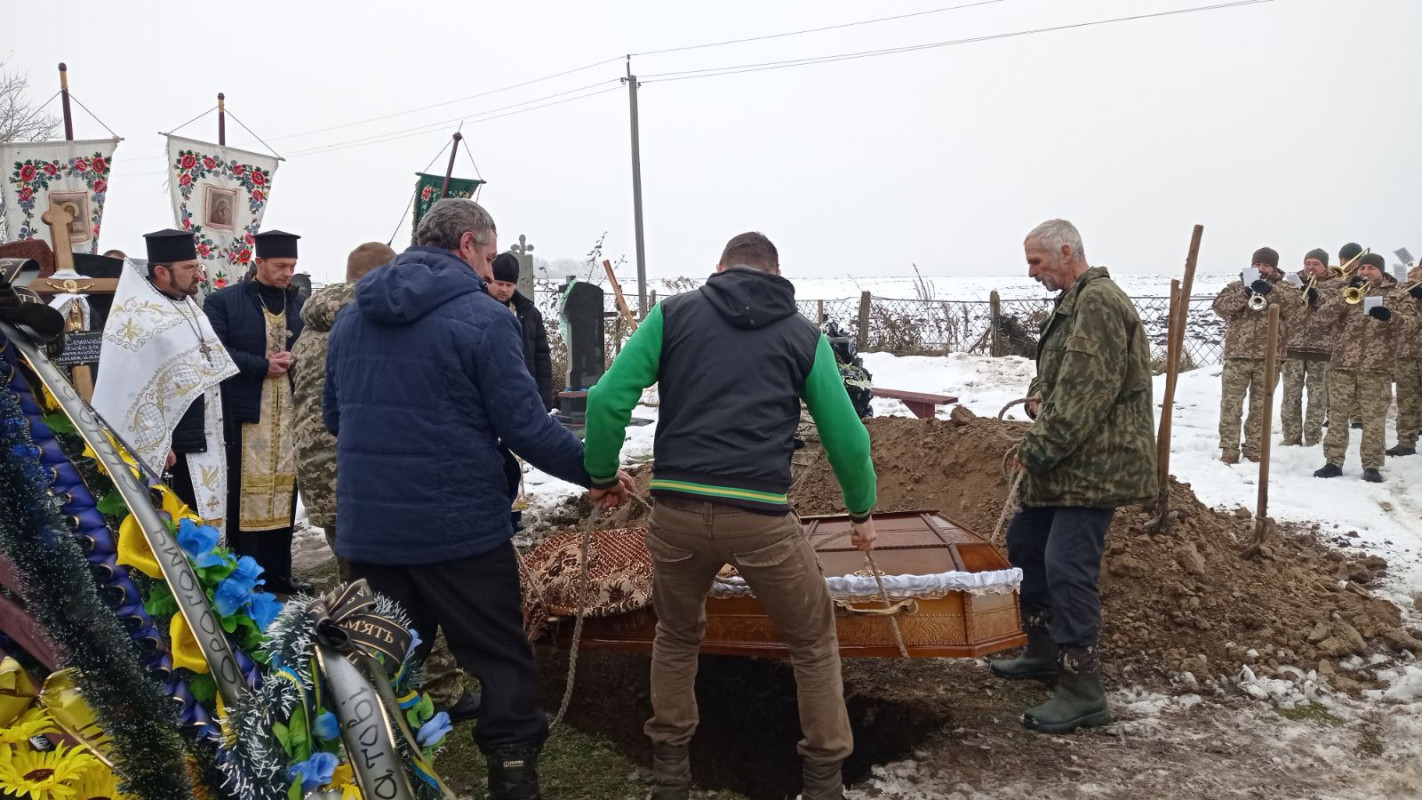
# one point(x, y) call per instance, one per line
point(19, 120)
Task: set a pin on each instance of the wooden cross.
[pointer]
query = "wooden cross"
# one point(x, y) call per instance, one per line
point(58, 218)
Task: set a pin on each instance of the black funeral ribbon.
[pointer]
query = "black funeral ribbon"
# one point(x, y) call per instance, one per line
point(346, 622)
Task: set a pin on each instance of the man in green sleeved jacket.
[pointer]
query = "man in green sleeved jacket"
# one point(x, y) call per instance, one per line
point(732, 361)
point(1090, 450)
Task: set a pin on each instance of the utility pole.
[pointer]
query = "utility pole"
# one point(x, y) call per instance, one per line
point(631, 81)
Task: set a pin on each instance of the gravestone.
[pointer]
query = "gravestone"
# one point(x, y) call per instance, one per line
point(523, 252)
point(583, 318)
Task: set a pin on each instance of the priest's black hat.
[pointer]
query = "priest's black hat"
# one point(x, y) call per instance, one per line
point(505, 268)
point(170, 246)
point(276, 244)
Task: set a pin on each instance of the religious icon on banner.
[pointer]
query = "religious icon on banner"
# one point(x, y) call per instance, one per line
point(74, 175)
point(220, 193)
point(218, 205)
point(427, 189)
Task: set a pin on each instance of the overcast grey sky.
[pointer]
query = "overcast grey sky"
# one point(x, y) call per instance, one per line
point(1292, 123)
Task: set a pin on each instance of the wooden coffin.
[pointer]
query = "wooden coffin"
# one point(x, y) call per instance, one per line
point(952, 593)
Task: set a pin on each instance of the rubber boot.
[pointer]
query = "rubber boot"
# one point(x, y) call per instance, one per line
point(823, 781)
point(1038, 662)
point(671, 772)
point(1078, 701)
point(513, 774)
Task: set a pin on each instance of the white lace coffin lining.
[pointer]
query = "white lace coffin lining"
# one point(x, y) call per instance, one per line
point(862, 588)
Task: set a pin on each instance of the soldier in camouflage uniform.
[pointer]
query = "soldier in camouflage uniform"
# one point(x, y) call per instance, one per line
point(316, 447)
point(1090, 450)
point(1310, 345)
point(1408, 372)
point(858, 381)
point(1361, 369)
point(1246, 340)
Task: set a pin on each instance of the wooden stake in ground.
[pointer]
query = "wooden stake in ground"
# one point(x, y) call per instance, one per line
point(1261, 512)
point(1174, 350)
point(617, 293)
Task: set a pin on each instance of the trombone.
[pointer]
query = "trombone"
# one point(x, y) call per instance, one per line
point(1354, 295)
point(1342, 272)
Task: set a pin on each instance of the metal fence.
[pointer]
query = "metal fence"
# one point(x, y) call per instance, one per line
point(936, 327)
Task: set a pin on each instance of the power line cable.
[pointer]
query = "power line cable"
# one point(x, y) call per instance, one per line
point(713, 72)
point(817, 30)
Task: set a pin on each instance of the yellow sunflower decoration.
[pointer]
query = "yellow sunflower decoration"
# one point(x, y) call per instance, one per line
point(99, 783)
point(32, 723)
point(53, 775)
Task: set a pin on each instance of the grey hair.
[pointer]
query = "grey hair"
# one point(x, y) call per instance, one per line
point(447, 220)
point(1057, 232)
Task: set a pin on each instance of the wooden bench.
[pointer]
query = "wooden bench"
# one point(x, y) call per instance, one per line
point(922, 404)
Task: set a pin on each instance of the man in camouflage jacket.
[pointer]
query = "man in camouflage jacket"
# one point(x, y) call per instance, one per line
point(1408, 371)
point(1310, 346)
point(1360, 373)
point(1090, 450)
point(316, 447)
point(1246, 343)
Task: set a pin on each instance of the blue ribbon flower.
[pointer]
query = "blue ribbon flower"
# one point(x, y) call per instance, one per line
point(231, 595)
point(248, 572)
point(264, 608)
point(315, 771)
point(326, 727)
point(432, 732)
point(196, 540)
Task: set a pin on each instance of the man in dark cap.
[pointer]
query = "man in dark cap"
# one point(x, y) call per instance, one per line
point(1246, 340)
point(504, 288)
point(258, 320)
point(1309, 345)
point(1347, 257)
point(1408, 372)
point(1360, 372)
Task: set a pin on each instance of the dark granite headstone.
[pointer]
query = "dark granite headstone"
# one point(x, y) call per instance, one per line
point(582, 311)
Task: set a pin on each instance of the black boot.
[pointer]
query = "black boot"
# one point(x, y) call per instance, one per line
point(671, 772)
point(1038, 662)
point(1328, 471)
point(513, 774)
point(1372, 476)
point(1078, 701)
point(822, 781)
point(1401, 450)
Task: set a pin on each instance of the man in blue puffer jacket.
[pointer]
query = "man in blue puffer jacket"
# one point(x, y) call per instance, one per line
point(425, 387)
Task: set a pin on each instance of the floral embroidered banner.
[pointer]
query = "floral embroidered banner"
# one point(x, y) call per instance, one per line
point(219, 193)
point(427, 192)
point(71, 174)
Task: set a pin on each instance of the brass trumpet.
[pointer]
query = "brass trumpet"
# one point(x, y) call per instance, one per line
point(1257, 302)
point(1354, 295)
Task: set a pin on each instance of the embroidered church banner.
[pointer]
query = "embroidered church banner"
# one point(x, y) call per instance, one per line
point(427, 192)
point(72, 174)
point(157, 357)
point(219, 193)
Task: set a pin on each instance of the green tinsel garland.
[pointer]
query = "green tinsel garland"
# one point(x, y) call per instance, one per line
point(128, 703)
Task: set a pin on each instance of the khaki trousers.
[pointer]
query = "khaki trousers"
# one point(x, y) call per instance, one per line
point(1370, 394)
point(1240, 377)
point(1408, 372)
point(690, 541)
point(1302, 375)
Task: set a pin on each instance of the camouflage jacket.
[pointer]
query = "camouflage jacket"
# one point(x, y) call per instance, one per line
point(1312, 333)
point(1093, 442)
point(1409, 336)
point(315, 446)
point(1364, 343)
point(1247, 331)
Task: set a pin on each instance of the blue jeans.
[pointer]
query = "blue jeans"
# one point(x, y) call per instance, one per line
point(1059, 552)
